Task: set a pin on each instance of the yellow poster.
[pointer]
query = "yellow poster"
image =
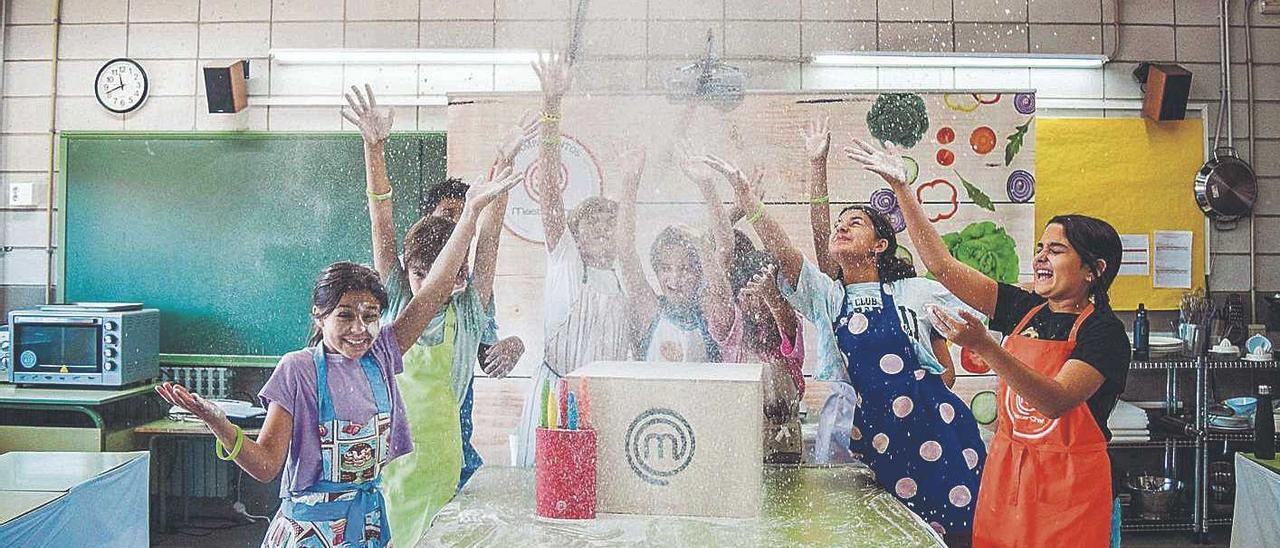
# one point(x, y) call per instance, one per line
point(1133, 173)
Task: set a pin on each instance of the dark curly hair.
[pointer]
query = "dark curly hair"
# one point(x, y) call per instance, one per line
point(889, 265)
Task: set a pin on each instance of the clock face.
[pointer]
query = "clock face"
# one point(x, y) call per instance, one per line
point(121, 85)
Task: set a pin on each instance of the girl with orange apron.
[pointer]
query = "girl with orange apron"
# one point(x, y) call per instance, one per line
point(1047, 481)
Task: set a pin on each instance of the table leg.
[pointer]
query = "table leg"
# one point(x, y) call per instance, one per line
point(161, 476)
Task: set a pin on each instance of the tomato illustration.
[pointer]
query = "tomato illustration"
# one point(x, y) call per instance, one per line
point(971, 362)
point(946, 157)
point(946, 135)
point(983, 140)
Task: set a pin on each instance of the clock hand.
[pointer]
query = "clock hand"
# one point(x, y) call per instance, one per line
point(121, 86)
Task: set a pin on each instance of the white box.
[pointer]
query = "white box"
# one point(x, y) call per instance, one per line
point(677, 438)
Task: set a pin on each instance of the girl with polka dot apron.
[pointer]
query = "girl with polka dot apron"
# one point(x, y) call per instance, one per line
point(916, 435)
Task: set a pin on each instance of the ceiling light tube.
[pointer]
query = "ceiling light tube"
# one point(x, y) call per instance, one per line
point(338, 101)
point(956, 60)
point(343, 56)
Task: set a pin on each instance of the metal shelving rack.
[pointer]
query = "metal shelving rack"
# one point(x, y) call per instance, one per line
point(1200, 436)
point(1203, 367)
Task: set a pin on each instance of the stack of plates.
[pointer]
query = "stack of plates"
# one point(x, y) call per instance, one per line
point(1164, 347)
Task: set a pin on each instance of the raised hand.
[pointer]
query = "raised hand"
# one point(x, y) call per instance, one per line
point(817, 139)
point(553, 71)
point(746, 191)
point(481, 195)
point(631, 164)
point(374, 123)
point(203, 409)
point(764, 286)
point(887, 163)
point(524, 131)
point(502, 357)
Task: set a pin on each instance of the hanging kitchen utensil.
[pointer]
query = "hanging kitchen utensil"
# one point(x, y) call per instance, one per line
point(708, 81)
point(1226, 187)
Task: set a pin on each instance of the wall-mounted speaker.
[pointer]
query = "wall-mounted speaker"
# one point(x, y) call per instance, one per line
point(1165, 90)
point(226, 87)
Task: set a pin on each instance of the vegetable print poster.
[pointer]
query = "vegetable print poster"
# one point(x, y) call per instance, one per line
point(973, 153)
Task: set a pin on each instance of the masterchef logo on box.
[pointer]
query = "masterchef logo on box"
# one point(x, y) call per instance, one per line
point(660, 444)
point(580, 178)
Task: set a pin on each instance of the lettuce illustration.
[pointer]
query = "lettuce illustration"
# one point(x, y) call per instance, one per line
point(987, 248)
point(898, 118)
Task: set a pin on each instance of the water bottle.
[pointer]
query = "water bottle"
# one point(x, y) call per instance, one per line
point(1264, 426)
point(1141, 335)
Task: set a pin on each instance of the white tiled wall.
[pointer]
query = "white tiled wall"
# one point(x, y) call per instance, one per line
point(628, 44)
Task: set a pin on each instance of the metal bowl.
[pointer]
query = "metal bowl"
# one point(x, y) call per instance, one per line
point(1154, 496)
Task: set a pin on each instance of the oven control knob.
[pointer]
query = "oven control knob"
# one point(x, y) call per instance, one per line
point(109, 339)
point(109, 326)
point(110, 365)
point(110, 352)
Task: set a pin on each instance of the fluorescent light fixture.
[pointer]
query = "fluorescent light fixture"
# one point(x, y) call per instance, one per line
point(956, 60)
point(337, 100)
point(343, 56)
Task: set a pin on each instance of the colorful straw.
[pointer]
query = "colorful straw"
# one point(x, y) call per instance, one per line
point(542, 412)
point(550, 405)
point(572, 412)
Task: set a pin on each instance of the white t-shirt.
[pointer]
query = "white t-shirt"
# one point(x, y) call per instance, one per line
point(584, 311)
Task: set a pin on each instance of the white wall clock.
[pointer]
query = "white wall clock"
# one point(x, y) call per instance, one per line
point(121, 85)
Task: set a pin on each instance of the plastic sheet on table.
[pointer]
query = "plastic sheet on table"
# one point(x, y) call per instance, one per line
point(804, 506)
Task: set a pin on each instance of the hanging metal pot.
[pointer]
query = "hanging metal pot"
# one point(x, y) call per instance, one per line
point(1226, 186)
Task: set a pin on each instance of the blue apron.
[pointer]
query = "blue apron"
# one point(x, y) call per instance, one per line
point(917, 436)
point(352, 456)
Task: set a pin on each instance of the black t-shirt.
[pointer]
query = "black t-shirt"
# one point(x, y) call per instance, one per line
point(1101, 342)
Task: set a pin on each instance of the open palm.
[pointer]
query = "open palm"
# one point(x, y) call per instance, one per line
point(887, 163)
point(374, 123)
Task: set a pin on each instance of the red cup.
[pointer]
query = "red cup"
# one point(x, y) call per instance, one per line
point(564, 471)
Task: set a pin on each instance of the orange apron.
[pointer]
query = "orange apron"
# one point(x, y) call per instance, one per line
point(1047, 482)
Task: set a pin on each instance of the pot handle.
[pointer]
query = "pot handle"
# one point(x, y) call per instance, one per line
point(1229, 151)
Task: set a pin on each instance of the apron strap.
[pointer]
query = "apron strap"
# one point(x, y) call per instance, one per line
point(1027, 318)
point(368, 498)
point(1088, 310)
point(377, 384)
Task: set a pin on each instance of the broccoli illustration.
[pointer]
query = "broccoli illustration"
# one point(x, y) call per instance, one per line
point(898, 118)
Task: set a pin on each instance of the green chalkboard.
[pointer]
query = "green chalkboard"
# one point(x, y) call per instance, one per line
point(224, 233)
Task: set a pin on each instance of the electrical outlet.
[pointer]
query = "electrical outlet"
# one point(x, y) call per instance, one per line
point(22, 194)
point(1269, 7)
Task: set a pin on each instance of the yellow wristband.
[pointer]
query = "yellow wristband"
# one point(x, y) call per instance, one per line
point(380, 197)
point(219, 449)
point(820, 200)
point(757, 215)
point(550, 117)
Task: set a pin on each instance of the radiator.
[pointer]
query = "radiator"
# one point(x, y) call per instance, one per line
point(194, 470)
point(209, 382)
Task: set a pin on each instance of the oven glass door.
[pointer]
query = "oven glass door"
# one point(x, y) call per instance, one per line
point(60, 347)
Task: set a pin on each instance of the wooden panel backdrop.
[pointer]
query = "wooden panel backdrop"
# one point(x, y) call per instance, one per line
point(978, 131)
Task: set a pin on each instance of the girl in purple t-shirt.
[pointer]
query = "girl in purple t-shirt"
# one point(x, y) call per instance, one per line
point(334, 415)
